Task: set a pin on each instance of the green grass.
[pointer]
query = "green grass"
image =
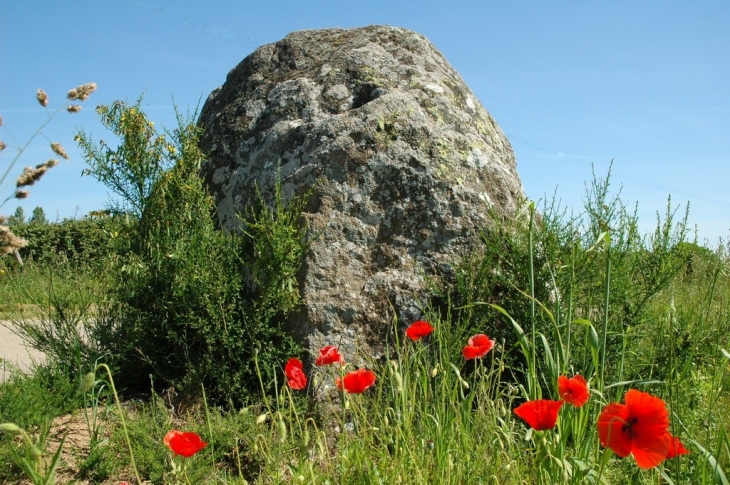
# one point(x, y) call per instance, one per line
point(424, 422)
point(561, 294)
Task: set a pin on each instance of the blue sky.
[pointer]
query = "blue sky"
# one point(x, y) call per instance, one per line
point(573, 84)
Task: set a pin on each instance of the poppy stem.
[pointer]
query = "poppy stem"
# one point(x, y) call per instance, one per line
point(604, 460)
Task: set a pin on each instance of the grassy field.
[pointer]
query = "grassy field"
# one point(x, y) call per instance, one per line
point(565, 349)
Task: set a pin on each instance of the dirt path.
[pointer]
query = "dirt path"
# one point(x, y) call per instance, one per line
point(14, 354)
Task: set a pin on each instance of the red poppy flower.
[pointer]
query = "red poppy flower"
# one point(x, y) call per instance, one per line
point(329, 355)
point(540, 414)
point(639, 427)
point(184, 443)
point(418, 330)
point(478, 347)
point(574, 390)
point(356, 382)
point(294, 374)
point(676, 448)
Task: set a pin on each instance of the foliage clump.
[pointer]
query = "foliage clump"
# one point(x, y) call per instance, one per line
point(186, 316)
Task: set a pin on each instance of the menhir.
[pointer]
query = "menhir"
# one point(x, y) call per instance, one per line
point(404, 160)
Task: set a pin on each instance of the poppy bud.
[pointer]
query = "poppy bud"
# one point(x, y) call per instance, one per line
point(282, 430)
point(397, 378)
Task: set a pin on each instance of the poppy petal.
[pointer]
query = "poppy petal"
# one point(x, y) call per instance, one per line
point(418, 330)
point(185, 443)
point(573, 390)
point(356, 382)
point(296, 379)
point(611, 423)
point(649, 451)
point(478, 346)
point(540, 414)
point(329, 355)
point(676, 448)
point(639, 427)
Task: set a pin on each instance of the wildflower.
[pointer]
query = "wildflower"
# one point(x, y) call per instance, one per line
point(329, 355)
point(42, 97)
point(676, 448)
point(639, 427)
point(184, 443)
point(294, 374)
point(540, 414)
point(356, 382)
point(73, 108)
point(418, 330)
point(59, 150)
point(574, 390)
point(478, 347)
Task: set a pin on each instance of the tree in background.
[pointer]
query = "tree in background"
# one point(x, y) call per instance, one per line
point(17, 218)
point(38, 217)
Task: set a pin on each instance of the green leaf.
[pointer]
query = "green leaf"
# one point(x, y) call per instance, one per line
point(636, 382)
point(719, 474)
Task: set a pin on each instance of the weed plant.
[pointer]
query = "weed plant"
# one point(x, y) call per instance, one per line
point(195, 304)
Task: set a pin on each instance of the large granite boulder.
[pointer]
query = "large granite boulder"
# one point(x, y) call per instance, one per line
point(407, 161)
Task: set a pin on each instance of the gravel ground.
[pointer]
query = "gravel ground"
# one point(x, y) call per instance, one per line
point(14, 353)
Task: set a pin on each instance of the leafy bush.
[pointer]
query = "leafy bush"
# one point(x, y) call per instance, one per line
point(548, 270)
point(86, 240)
point(186, 315)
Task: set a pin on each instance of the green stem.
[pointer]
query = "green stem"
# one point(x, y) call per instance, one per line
point(604, 460)
point(210, 428)
point(22, 149)
point(605, 306)
point(121, 417)
point(533, 369)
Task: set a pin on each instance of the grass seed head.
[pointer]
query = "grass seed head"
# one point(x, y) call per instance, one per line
point(22, 194)
point(59, 150)
point(9, 242)
point(82, 92)
point(31, 175)
point(3, 146)
point(73, 108)
point(10, 428)
point(42, 97)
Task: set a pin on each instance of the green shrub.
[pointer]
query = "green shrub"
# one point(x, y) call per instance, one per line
point(86, 240)
point(549, 269)
point(186, 316)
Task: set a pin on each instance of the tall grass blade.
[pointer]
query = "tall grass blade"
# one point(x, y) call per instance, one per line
point(719, 474)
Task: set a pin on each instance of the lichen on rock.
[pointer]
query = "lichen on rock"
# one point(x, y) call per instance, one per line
point(408, 163)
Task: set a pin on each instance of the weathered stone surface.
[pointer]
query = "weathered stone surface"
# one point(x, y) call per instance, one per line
point(408, 161)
